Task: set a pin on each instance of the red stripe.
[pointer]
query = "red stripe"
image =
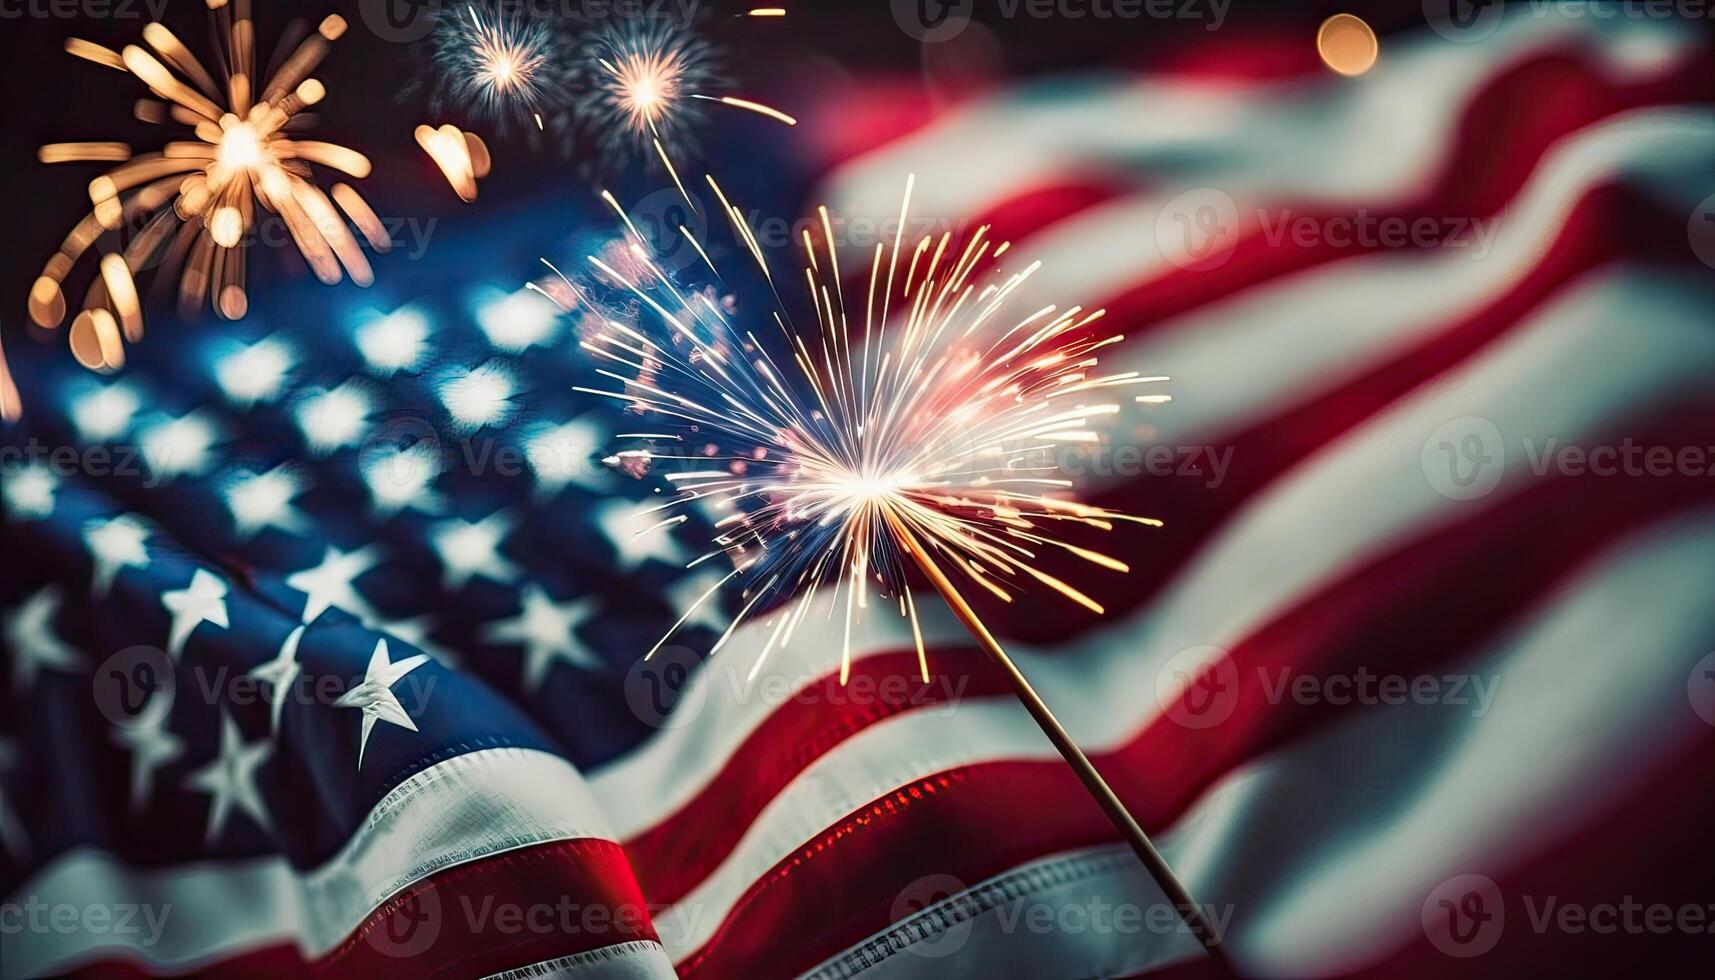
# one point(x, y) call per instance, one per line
point(1533, 107)
point(684, 847)
point(974, 822)
point(513, 910)
point(1029, 211)
point(1636, 852)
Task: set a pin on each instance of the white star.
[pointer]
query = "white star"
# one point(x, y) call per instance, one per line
point(280, 674)
point(395, 342)
point(468, 549)
point(375, 698)
point(416, 631)
point(638, 535)
point(30, 634)
point(151, 747)
point(105, 413)
point(255, 373)
point(546, 630)
point(231, 779)
point(203, 601)
point(29, 492)
point(565, 454)
point(515, 322)
point(688, 590)
point(179, 447)
point(261, 500)
point(481, 396)
point(330, 583)
point(333, 420)
point(404, 477)
point(12, 835)
point(119, 543)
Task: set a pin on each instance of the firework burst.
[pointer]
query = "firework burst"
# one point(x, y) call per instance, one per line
point(500, 65)
point(194, 203)
point(652, 84)
point(916, 428)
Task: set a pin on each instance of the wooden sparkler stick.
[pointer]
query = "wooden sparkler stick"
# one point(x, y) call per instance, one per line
point(1098, 787)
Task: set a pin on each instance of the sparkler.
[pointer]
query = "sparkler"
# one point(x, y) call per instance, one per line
point(654, 81)
point(917, 431)
point(500, 65)
point(195, 201)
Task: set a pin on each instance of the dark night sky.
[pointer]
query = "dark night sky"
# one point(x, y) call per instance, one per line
point(821, 48)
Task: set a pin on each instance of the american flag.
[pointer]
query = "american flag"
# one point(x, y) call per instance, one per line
point(322, 631)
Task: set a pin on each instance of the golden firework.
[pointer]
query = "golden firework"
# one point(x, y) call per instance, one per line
point(194, 204)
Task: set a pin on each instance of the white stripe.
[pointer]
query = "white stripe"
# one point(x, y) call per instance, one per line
point(1085, 913)
point(1327, 139)
point(625, 961)
point(461, 810)
point(1400, 798)
point(1611, 347)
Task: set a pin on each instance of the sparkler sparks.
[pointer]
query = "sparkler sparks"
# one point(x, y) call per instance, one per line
point(193, 203)
point(920, 433)
point(499, 64)
point(920, 426)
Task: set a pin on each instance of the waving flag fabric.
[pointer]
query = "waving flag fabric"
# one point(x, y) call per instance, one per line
point(321, 639)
